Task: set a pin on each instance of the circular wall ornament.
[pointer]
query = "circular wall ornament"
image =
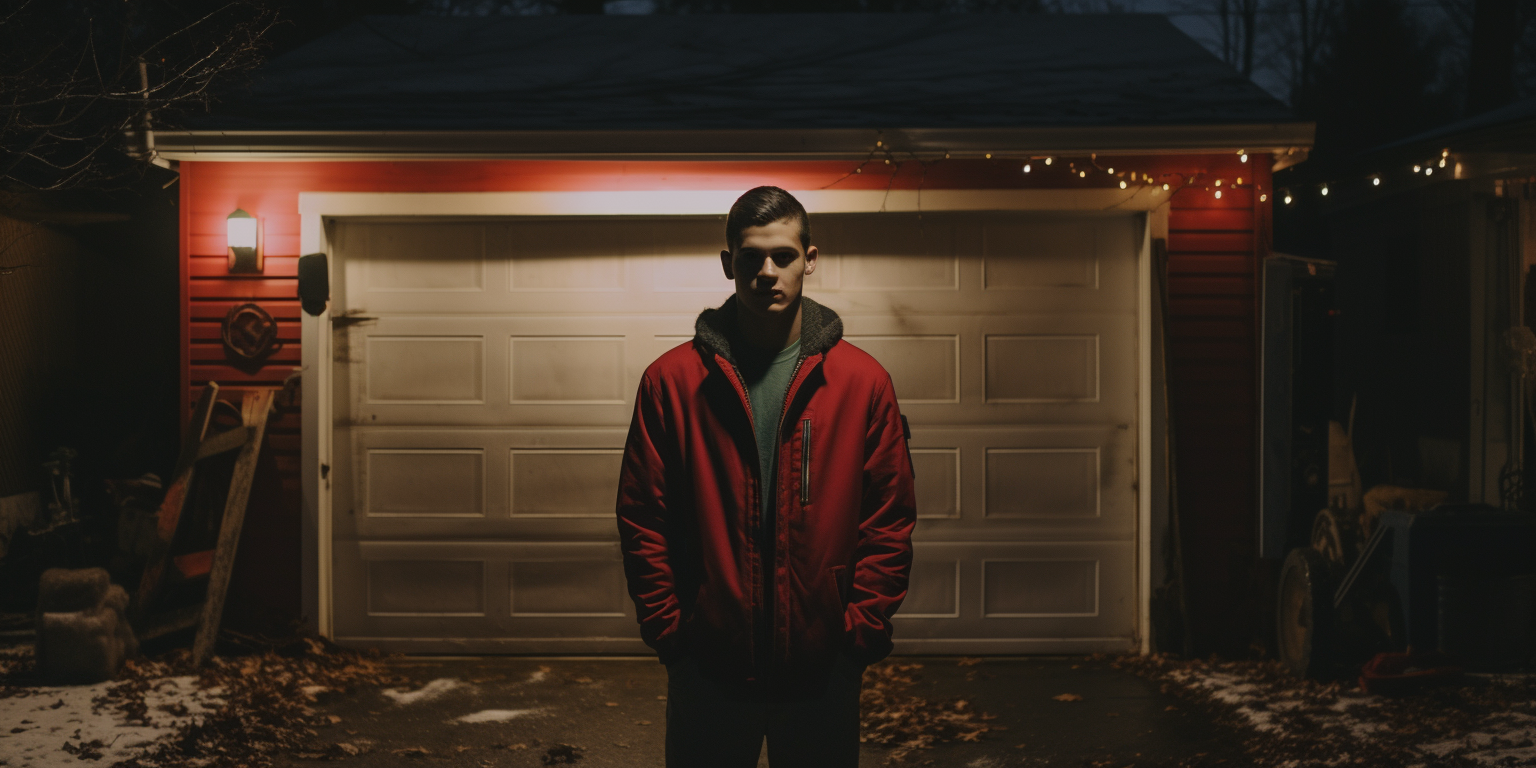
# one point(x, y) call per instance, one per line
point(249, 332)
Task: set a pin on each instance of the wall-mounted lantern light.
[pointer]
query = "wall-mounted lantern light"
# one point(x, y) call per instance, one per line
point(244, 237)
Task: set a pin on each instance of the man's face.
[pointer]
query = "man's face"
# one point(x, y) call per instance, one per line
point(769, 268)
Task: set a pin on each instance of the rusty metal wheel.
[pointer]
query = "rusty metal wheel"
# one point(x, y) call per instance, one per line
point(1304, 620)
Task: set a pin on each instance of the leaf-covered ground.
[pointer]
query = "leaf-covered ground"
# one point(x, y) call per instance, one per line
point(1482, 720)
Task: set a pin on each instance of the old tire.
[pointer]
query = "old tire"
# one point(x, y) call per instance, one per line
point(1304, 623)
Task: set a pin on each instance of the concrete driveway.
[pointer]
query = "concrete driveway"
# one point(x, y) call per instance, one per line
point(508, 711)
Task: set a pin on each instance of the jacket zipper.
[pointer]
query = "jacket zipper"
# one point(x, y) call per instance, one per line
point(805, 462)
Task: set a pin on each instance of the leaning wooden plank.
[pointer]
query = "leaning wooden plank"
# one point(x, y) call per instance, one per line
point(254, 413)
point(228, 440)
point(175, 499)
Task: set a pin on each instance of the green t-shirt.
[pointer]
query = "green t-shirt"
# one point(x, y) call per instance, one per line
point(767, 380)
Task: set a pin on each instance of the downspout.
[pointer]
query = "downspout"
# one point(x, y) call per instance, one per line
point(141, 142)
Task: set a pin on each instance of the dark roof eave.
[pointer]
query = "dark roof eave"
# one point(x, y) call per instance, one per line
point(1286, 139)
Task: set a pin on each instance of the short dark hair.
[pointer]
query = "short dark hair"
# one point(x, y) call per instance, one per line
point(765, 205)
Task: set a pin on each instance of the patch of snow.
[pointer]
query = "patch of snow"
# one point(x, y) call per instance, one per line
point(539, 675)
point(427, 692)
point(50, 717)
point(497, 715)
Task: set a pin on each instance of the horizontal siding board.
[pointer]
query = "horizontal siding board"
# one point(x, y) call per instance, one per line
point(288, 331)
point(1201, 198)
point(203, 310)
point(1210, 220)
point(202, 223)
point(1206, 307)
point(215, 353)
point(1210, 242)
point(269, 288)
point(1181, 288)
point(218, 266)
point(270, 374)
point(1197, 330)
point(1206, 264)
point(218, 245)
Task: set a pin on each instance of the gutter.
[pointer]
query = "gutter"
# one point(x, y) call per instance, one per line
point(1288, 142)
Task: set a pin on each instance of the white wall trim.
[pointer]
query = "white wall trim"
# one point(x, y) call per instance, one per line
point(317, 208)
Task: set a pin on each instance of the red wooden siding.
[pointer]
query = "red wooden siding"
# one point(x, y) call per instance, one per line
point(1214, 246)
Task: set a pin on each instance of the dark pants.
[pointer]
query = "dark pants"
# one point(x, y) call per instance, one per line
point(709, 728)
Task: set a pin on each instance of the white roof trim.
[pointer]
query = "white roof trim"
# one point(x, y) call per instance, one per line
point(820, 144)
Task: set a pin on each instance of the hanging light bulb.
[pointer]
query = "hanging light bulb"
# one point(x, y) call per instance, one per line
point(1417, 168)
point(1445, 152)
point(1242, 155)
point(946, 155)
point(1218, 194)
point(1122, 183)
point(1111, 171)
point(1165, 187)
point(1082, 174)
point(1218, 182)
point(1239, 181)
point(1287, 198)
point(1048, 161)
point(1375, 181)
point(1263, 198)
point(989, 155)
point(1325, 190)
point(879, 143)
point(1428, 170)
point(1026, 167)
point(1442, 162)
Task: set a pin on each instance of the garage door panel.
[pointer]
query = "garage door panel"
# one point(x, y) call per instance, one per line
point(1068, 590)
point(486, 382)
point(481, 589)
point(528, 484)
point(1024, 484)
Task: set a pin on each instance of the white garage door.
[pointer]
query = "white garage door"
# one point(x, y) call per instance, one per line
point(485, 374)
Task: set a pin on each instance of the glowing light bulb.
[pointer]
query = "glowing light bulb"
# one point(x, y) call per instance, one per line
point(1442, 162)
point(1082, 174)
point(1111, 170)
point(946, 155)
point(1445, 152)
point(1325, 190)
point(989, 155)
point(1417, 168)
point(1122, 183)
point(1026, 167)
point(1243, 156)
point(1239, 180)
point(1376, 182)
point(1218, 182)
point(1287, 198)
point(1048, 161)
point(879, 143)
point(1218, 194)
point(1165, 187)
point(1262, 198)
point(1428, 171)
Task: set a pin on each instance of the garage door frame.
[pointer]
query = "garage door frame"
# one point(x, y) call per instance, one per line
point(318, 209)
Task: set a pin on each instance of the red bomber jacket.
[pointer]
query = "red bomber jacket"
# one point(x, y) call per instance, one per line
point(768, 615)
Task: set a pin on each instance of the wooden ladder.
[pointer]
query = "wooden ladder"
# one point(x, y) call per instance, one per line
point(215, 564)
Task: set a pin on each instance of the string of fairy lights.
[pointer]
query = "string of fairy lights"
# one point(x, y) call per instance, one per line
point(1089, 169)
point(1429, 167)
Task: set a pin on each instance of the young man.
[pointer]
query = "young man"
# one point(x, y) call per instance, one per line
point(766, 510)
